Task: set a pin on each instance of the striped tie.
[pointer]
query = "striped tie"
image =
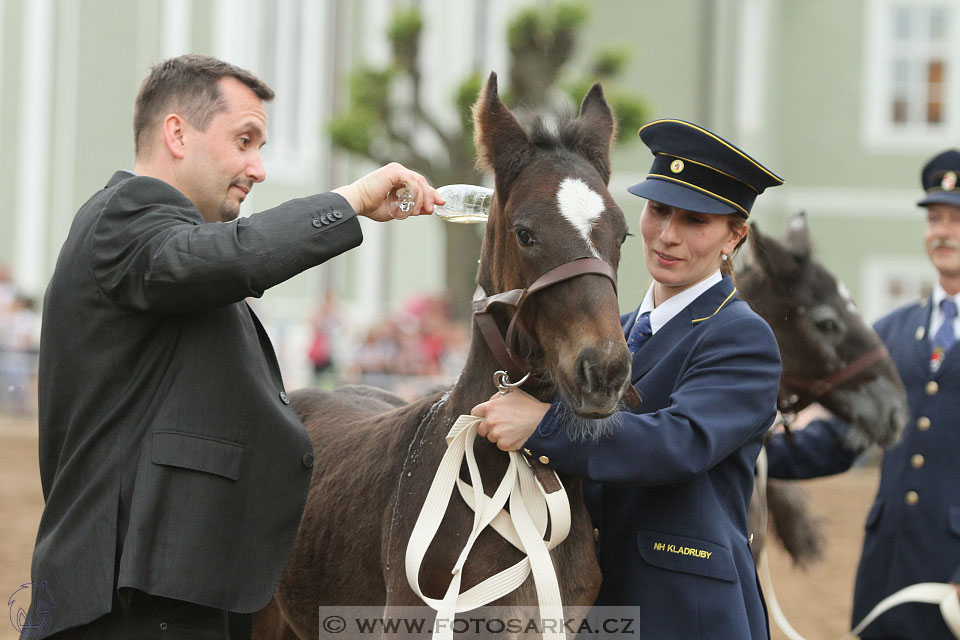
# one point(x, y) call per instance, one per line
point(640, 332)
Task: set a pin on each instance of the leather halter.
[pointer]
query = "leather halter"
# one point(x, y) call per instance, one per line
point(811, 390)
point(515, 298)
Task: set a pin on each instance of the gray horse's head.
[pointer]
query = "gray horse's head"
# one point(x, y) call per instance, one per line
point(830, 355)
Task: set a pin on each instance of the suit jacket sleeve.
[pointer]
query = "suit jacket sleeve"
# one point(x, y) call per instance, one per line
point(151, 250)
point(725, 395)
point(816, 450)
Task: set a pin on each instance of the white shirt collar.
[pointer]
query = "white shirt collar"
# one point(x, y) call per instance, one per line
point(663, 314)
point(936, 315)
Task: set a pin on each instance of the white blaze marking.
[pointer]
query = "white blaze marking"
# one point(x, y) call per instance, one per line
point(845, 294)
point(581, 206)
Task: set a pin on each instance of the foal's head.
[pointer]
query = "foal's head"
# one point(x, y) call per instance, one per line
point(551, 206)
point(821, 333)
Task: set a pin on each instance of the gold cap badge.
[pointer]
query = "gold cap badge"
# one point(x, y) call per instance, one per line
point(949, 181)
point(677, 166)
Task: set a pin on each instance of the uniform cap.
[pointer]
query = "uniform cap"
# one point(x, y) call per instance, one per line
point(697, 170)
point(939, 179)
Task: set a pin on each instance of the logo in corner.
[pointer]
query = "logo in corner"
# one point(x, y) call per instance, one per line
point(34, 620)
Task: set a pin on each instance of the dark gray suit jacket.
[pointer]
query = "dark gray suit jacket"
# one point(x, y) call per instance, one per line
point(170, 459)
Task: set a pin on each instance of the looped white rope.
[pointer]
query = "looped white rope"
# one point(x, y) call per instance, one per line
point(937, 593)
point(531, 508)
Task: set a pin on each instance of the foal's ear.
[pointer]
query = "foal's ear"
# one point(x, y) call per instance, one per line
point(502, 144)
point(777, 262)
point(600, 130)
point(797, 240)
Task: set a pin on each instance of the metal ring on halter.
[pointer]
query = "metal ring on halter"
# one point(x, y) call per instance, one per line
point(502, 381)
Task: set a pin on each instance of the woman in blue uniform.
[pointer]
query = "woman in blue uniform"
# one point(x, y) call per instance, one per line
point(669, 485)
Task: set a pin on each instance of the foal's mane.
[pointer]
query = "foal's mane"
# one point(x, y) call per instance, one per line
point(570, 134)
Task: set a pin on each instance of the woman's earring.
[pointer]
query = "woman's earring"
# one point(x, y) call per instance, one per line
point(724, 257)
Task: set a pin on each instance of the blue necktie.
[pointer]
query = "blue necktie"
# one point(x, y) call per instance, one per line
point(945, 337)
point(640, 332)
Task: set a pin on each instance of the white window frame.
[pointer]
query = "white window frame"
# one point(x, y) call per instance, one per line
point(879, 131)
point(295, 148)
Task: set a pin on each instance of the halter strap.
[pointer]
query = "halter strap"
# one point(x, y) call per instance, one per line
point(515, 298)
point(812, 389)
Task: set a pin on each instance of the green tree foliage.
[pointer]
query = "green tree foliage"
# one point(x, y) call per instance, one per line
point(386, 120)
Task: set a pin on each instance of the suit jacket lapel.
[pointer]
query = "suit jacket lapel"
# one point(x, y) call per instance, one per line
point(698, 311)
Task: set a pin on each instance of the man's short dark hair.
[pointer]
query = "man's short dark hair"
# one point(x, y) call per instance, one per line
point(190, 86)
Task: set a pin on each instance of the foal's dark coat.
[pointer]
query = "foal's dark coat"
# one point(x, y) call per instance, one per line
point(375, 456)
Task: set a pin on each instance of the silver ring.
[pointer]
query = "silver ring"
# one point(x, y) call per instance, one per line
point(502, 381)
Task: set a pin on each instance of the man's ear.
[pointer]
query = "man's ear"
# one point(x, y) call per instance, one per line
point(174, 128)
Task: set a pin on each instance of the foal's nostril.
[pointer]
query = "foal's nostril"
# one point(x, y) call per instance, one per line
point(602, 370)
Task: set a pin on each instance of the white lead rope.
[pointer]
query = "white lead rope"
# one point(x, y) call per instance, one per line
point(944, 595)
point(531, 508)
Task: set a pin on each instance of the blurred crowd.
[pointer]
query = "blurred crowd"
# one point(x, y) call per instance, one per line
point(416, 348)
point(19, 347)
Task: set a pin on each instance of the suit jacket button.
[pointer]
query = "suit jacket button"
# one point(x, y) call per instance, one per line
point(324, 220)
point(317, 223)
point(544, 459)
point(283, 397)
point(307, 460)
point(336, 214)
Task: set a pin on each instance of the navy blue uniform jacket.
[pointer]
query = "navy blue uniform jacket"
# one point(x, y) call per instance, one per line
point(170, 458)
point(677, 475)
point(913, 528)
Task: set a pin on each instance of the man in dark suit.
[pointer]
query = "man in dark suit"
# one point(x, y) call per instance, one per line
point(913, 529)
point(173, 468)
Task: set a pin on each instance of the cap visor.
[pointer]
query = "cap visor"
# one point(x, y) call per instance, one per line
point(941, 197)
point(676, 195)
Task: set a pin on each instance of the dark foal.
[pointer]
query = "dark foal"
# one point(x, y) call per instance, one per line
point(830, 355)
point(376, 456)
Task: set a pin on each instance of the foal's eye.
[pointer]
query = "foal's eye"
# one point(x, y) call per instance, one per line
point(827, 326)
point(524, 237)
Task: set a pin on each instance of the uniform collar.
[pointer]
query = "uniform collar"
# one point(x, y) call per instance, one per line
point(663, 314)
point(704, 307)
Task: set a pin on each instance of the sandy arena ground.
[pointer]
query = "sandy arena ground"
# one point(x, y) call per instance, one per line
point(816, 601)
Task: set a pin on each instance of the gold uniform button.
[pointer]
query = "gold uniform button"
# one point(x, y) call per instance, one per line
point(932, 387)
point(916, 460)
point(596, 534)
point(527, 451)
point(544, 459)
point(912, 498)
point(923, 423)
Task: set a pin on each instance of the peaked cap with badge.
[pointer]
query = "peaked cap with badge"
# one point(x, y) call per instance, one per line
point(940, 179)
point(697, 170)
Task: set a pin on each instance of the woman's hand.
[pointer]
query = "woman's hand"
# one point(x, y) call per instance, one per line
point(508, 420)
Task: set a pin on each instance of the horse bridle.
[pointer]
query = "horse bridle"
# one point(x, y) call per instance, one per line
point(516, 371)
point(810, 390)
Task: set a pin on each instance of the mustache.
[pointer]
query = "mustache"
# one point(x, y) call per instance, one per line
point(943, 243)
point(247, 184)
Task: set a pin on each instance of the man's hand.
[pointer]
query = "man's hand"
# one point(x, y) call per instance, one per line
point(369, 195)
point(508, 420)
